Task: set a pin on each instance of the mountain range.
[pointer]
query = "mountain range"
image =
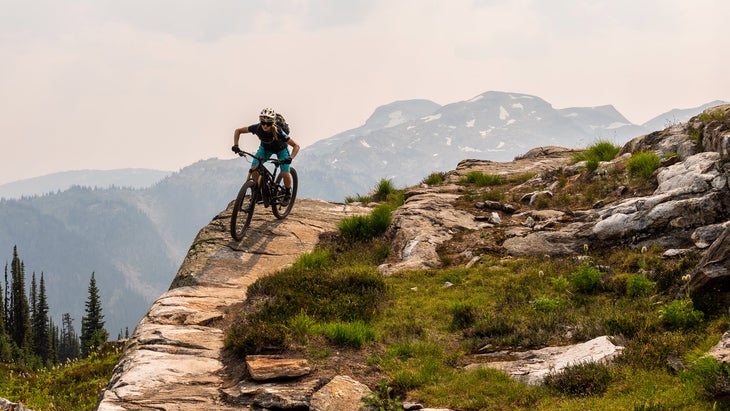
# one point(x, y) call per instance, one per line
point(126, 177)
point(406, 140)
point(133, 231)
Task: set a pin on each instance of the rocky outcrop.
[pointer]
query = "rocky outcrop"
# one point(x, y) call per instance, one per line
point(689, 210)
point(713, 270)
point(429, 217)
point(173, 360)
point(419, 226)
point(531, 367)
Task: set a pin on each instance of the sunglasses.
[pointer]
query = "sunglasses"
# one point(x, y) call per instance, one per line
point(267, 123)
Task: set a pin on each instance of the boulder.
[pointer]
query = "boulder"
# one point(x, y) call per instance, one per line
point(273, 367)
point(531, 367)
point(342, 393)
point(713, 271)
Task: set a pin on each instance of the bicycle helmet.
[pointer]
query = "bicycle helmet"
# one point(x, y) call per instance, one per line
point(267, 114)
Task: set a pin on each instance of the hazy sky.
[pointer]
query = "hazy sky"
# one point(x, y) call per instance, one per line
point(104, 84)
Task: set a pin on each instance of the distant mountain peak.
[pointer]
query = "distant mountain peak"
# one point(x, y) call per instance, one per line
point(400, 112)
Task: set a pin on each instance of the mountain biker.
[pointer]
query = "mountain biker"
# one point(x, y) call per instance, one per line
point(273, 141)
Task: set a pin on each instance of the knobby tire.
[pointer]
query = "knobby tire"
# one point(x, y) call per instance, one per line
point(279, 210)
point(243, 210)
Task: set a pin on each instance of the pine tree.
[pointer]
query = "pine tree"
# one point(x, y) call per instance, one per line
point(41, 334)
point(2, 308)
point(53, 337)
point(19, 327)
point(5, 352)
point(33, 297)
point(6, 302)
point(68, 341)
point(93, 334)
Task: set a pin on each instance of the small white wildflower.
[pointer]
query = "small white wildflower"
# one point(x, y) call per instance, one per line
point(686, 278)
point(643, 250)
point(585, 248)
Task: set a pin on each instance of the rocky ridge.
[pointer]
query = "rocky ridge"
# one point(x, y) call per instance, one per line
point(173, 359)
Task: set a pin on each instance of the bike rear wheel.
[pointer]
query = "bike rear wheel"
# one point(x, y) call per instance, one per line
point(243, 210)
point(279, 207)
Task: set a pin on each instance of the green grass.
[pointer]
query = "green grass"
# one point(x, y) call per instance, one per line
point(366, 227)
point(481, 179)
point(601, 150)
point(384, 191)
point(643, 164)
point(428, 331)
point(73, 386)
point(434, 179)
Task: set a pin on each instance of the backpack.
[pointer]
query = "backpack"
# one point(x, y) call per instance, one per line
point(281, 123)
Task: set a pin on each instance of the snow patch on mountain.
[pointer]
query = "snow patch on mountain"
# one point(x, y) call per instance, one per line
point(428, 119)
point(503, 113)
point(616, 125)
point(396, 118)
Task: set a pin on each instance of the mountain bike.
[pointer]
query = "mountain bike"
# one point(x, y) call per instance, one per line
point(268, 190)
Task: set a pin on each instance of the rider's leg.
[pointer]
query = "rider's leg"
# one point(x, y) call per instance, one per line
point(285, 174)
point(261, 153)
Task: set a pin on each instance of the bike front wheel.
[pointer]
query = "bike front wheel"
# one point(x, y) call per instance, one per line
point(279, 206)
point(243, 210)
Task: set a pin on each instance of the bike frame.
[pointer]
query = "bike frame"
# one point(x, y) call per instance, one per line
point(266, 177)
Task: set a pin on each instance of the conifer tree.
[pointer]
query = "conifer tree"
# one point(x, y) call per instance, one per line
point(93, 333)
point(6, 301)
point(53, 337)
point(68, 341)
point(2, 307)
point(5, 353)
point(19, 327)
point(33, 297)
point(41, 332)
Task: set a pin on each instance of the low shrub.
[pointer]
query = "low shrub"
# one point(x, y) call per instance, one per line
point(586, 279)
point(638, 285)
point(463, 315)
point(710, 378)
point(256, 337)
point(383, 398)
point(560, 283)
point(546, 305)
point(680, 314)
point(583, 379)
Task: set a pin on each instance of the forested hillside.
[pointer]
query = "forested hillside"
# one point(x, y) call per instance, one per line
point(133, 240)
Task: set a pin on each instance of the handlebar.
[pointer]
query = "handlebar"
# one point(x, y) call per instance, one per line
point(261, 160)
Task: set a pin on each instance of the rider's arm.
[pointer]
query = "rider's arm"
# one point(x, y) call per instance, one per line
point(237, 134)
point(295, 147)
